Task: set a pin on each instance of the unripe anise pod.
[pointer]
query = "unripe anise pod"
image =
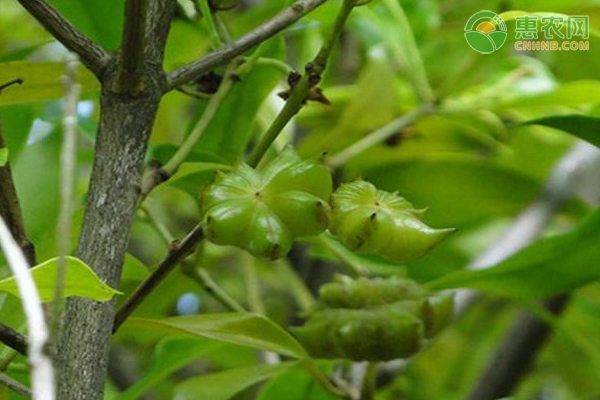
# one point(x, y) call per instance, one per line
point(369, 220)
point(263, 210)
point(373, 319)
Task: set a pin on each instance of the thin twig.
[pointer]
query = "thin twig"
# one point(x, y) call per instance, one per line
point(178, 251)
point(132, 46)
point(203, 278)
point(94, 57)
point(15, 385)
point(10, 209)
point(378, 136)
point(13, 339)
point(311, 78)
point(228, 52)
point(42, 371)
point(209, 113)
point(68, 161)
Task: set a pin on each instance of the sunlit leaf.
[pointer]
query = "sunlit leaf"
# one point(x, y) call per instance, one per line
point(41, 81)
point(80, 280)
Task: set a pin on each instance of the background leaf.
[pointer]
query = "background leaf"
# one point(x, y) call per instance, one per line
point(582, 126)
point(80, 280)
point(3, 156)
point(553, 265)
point(245, 329)
point(224, 385)
point(41, 81)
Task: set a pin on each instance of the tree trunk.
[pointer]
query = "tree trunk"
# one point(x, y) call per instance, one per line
point(125, 126)
point(126, 121)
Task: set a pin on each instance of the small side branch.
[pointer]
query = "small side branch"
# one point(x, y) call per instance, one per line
point(238, 47)
point(13, 339)
point(92, 55)
point(179, 250)
point(10, 209)
point(15, 385)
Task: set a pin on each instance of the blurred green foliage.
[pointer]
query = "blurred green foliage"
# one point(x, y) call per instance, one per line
point(502, 122)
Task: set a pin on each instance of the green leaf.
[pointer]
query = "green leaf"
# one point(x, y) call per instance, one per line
point(80, 280)
point(171, 354)
point(102, 21)
point(460, 189)
point(3, 156)
point(224, 385)
point(41, 81)
point(582, 126)
point(295, 384)
point(570, 94)
point(244, 329)
point(550, 266)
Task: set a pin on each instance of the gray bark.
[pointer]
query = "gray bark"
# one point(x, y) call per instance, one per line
point(126, 122)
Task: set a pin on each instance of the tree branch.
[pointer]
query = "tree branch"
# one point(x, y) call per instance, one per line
point(238, 47)
point(178, 251)
point(516, 353)
point(94, 57)
point(297, 97)
point(132, 46)
point(13, 339)
point(123, 134)
point(10, 209)
point(15, 385)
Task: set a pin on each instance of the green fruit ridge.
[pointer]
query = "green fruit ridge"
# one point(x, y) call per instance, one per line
point(369, 220)
point(373, 319)
point(263, 210)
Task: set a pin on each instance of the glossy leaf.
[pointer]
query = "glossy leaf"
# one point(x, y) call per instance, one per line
point(41, 81)
point(244, 329)
point(554, 265)
point(582, 126)
point(80, 280)
point(224, 385)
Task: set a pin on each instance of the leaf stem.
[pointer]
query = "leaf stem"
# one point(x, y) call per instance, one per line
point(378, 136)
point(68, 161)
point(369, 385)
point(203, 278)
point(211, 27)
point(209, 113)
point(331, 245)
